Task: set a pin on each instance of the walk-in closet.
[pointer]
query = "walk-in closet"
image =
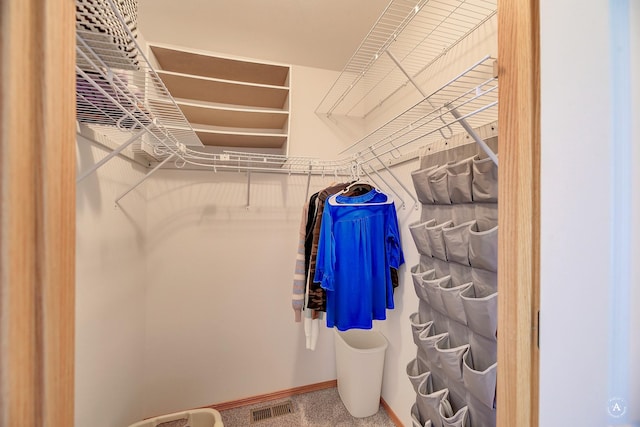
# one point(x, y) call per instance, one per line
point(207, 204)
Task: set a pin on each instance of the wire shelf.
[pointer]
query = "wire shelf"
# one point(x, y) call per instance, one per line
point(473, 95)
point(417, 33)
point(116, 87)
point(120, 96)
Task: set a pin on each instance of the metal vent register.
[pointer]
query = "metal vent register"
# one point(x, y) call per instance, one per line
point(260, 414)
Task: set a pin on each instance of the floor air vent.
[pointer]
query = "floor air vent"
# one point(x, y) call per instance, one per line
point(261, 414)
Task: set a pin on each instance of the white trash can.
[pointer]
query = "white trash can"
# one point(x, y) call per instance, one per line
point(359, 366)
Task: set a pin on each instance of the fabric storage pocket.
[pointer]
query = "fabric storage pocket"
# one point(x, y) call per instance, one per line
point(451, 358)
point(436, 240)
point(414, 374)
point(419, 233)
point(481, 311)
point(415, 418)
point(453, 302)
point(434, 292)
point(428, 401)
point(452, 418)
point(418, 279)
point(459, 179)
point(421, 184)
point(480, 381)
point(456, 240)
point(438, 183)
point(428, 341)
point(417, 327)
point(483, 248)
point(485, 180)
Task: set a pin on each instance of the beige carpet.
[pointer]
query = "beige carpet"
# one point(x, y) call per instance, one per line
point(319, 408)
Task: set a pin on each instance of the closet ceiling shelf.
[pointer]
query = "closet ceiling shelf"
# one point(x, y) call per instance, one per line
point(120, 95)
point(417, 33)
point(114, 80)
point(473, 95)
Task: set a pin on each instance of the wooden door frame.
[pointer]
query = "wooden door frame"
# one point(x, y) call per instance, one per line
point(37, 216)
point(518, 212)
point(41, 228)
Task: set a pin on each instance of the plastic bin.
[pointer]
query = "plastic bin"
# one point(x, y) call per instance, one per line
point(194, 418)
point(359, 366)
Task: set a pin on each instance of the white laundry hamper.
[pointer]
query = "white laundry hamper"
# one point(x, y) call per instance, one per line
point(359, 365)
point(194, 418)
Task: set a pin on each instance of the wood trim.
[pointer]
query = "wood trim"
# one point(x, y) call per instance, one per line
point(37, 216)
point(273, 396)
point(262, 398)
point(229, 139)
point(233, 118)
point(182, 61)
point(392, 415)
point(518, 212)
point(224, 91)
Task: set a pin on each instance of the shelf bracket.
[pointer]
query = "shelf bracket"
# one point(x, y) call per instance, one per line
point(393, 175)
point(144, 178)
point(111, 155)
point(422, 92)
point(402, 204)
point(467, 127)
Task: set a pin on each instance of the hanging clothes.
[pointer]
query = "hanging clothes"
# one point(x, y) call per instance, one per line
point(359, 243)
point(300, 272)
point(317, 300)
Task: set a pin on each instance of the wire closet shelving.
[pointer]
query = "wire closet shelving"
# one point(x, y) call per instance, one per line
point(119, 94)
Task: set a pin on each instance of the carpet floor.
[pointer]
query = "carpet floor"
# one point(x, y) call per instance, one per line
point(321, 408)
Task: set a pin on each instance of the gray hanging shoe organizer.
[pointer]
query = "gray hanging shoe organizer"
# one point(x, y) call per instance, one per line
point(455, 327)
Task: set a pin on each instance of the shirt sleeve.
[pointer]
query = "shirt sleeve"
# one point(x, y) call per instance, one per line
point(394, 246)
point(326, 258)
point(297, 299)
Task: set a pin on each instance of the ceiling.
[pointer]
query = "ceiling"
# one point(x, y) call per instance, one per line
point(313, 33)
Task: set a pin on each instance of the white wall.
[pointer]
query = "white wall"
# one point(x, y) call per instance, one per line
point(110, 293)
point(219, 322)
point(312, 135)
point(396, 388)
point(576, 214)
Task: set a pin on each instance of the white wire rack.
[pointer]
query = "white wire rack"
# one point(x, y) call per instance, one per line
point(470, 97)
point(410, 35)
point(117, 90)
point(120, 95)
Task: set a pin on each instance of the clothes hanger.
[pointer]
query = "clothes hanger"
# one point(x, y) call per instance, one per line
point(363, 200)
point(356, 181)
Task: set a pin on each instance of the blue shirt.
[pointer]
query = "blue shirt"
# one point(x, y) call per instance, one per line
point(359, 241)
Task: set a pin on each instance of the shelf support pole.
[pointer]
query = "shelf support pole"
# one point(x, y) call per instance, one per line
point(111, 155)
point(422, 92)
point(402, 204)
point(248, 189)
point(306, 197)
point(393, 175)
point(467, 127)
point(144, 178)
